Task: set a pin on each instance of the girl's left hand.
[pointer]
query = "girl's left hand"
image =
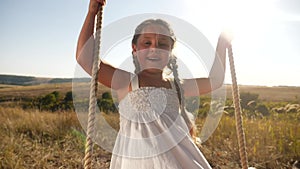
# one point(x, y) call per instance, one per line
point(226, 38)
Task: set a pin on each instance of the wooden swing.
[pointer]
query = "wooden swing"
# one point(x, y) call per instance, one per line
point(93, 101)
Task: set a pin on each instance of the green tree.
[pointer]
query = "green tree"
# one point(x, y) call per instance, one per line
point(48, 102)
point(246, 98)
point(68, 96)
point(106, 95)
point(106, 103)
point(56, 94)
point(68, 101)
point(263, 110)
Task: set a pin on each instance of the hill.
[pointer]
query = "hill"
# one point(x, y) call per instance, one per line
point(275, 93)
point(31, 80)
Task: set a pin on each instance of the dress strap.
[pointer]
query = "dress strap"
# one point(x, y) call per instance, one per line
point(135, 82)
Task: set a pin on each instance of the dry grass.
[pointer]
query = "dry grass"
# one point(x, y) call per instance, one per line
point(32, 139)
point(280, 93)
point(272, 142)
point(39, 139)
point(16, 93)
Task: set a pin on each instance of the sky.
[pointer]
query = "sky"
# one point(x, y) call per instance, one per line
point(39, 38)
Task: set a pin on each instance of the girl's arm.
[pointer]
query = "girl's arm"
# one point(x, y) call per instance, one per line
point(194, 87)
point(108, 75)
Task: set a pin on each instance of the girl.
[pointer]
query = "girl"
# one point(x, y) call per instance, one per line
point(154, 126)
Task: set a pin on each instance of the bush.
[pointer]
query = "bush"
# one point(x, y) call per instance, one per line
point(107, 95)
point(106, 103)
point(51, 102)
point(263, 110)
point(48, 102)
point(246, 98)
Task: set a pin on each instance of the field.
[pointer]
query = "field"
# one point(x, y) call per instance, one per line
point(40, 138)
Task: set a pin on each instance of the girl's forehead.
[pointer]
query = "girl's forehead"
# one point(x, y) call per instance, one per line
point(156, 29)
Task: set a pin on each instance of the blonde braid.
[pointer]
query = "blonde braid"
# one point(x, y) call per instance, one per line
point(180, 92)
point(136, 64)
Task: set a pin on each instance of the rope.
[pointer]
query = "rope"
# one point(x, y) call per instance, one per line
point(238, 114)
point(93, 94)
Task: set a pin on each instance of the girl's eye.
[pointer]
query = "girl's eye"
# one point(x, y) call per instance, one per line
point(163, 45)
point(147, 43)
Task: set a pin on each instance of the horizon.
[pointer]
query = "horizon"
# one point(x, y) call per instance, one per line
point(35, 41)
point(50, 77)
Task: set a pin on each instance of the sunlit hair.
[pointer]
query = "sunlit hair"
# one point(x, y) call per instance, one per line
point(172, 65)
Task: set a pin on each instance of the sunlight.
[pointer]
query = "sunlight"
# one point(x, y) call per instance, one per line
point(243, 18)
point(247, 19)
point(252, 23)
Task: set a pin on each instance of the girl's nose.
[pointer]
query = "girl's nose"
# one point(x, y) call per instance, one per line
point(154, 46)
point(153, 49)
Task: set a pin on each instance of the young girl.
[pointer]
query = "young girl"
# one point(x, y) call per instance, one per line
point(154, 126)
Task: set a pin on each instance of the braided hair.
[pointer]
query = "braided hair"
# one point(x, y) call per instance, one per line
point(172, 65)
point(180, 92)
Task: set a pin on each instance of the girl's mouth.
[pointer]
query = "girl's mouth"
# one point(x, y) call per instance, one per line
point(153, 59)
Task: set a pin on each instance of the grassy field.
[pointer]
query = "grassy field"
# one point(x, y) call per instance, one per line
point(44, 139)
point(282, 93)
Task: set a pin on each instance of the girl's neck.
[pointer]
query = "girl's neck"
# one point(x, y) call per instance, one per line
point(153, 79)
point(151, 75)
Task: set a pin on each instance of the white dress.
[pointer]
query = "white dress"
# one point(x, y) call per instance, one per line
point(153, 135)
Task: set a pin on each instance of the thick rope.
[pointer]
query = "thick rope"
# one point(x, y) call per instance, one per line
point(238, 114)
point(93, 94)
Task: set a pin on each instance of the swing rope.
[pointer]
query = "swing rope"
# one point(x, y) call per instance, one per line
point(238, 114)
point(93, 101)
point(93, 93)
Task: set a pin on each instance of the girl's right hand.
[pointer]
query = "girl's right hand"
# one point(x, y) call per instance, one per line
point(226, 38)
point(94, 6)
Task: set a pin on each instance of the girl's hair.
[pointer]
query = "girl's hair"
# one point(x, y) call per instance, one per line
point(140, 27)
point(172, 65)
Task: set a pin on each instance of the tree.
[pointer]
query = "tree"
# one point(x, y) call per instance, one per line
point(56, 94)
point(106, 103)
point(68, 96)
point(263, 110)
point(48, 102)
point(68, 101)
point(106, 95)
point(246, 98)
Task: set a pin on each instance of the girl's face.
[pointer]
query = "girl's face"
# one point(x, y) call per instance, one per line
point(153, 48)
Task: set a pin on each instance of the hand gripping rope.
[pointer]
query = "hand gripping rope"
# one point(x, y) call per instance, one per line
point(93, 93)
point(93, 101)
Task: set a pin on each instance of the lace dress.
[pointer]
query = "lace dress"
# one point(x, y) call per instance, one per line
point(153, 135)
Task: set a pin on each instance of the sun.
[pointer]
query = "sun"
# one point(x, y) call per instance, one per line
point(240, 17)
